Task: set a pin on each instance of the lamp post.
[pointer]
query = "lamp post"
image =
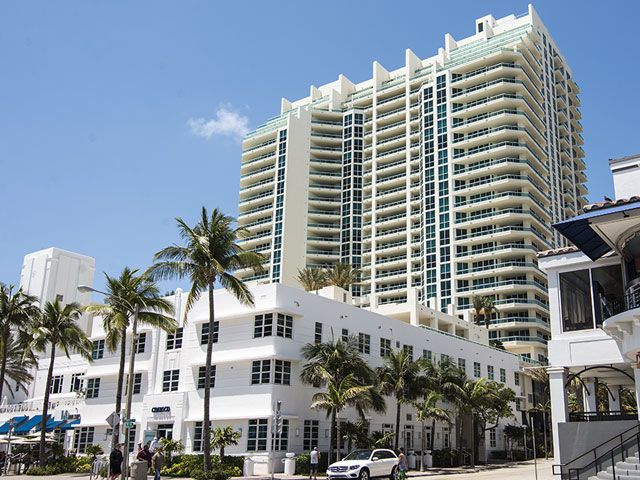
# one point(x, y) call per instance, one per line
point(132, 359)
point(533, 439)
point(6, 460)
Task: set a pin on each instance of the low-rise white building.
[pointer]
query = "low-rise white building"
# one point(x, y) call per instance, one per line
point(594, 300)
point(257, 358)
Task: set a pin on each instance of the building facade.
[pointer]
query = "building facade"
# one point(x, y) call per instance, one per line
point(257, 361)
point(593, 353)
point(441, 176)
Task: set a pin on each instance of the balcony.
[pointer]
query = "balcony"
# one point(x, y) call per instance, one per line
point(601, 416)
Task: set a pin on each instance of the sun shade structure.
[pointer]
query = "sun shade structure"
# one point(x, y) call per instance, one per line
point(4, 428)
point(27, 426)
point(588, 233)
point(70, 425)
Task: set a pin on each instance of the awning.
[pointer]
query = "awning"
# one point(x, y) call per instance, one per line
point(70, 425)
point(51, 425)
point(581, 232)
point(27, 426)
point(4, 429)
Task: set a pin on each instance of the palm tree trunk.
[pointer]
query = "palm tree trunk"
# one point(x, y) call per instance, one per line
point(221, 454)
point(206, 427)
point(397, 439)
point(123, 355)
point(338, 454)
point(473, 441)
point(544, 433)
point(422, 452)
point(433, 433)
point(332, 436)
point(3, 367)
point(45, 406)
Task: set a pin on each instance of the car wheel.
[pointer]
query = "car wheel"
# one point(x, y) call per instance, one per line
point(394, 472)
point(364, 474)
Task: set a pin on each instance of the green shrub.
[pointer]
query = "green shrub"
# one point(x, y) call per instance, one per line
point(446, 458)
point(218, 473)
point(37, 471)
point(303, 463)
point(184, 465)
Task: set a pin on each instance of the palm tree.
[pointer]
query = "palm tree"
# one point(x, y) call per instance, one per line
point(57, 328)
point(223, 437)
point(123, 294)
point(444, 378)
point(328, 364)
point(211, 255)
point(484, 307)
point(17, 311)
point(342, 275)
point(312, 278)
point(18, 367)
point(485, 402)
point(348, 392)
point(355, 433)
point(427, 409)
point(171, 446)
point(401, 377)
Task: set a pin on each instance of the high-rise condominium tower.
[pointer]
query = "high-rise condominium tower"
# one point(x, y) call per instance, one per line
point(440, 179)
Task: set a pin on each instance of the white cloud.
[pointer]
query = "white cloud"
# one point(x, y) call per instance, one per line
point(226, 122)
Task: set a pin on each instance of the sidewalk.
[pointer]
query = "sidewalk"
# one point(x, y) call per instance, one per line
point(519, 470)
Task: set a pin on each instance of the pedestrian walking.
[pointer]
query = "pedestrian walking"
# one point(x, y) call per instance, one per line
point(403, 465)
point(157, 462)
point(115, 462)
point(314, 461)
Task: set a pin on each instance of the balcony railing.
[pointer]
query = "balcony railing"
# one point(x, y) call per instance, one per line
point(601, 416)
point(629, 301)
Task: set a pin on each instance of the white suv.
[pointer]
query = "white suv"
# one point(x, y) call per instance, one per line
point(365, 464)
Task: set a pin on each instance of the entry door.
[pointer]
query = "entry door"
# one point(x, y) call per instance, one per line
point(165, 430)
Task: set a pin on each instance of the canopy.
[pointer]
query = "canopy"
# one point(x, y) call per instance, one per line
point(27, 426)
point(70, 424)
point(51, 425)
point(581, 232)
point(4, 428)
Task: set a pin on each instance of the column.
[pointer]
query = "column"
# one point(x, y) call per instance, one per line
point(615, 404)
point(559, 404)
point(636, 377)
point(589, 395)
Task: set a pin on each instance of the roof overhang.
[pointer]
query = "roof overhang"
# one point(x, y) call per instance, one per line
point(599, 231)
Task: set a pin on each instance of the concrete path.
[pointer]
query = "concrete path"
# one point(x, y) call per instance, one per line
point(519, 471)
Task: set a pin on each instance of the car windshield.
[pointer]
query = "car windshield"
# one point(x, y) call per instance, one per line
point(358, 455)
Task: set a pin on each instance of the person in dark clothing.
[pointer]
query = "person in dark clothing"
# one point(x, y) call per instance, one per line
point(115, 462)
point(145, 455)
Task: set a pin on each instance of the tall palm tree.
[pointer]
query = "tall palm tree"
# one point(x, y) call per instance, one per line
point(348, 392)
point(223, 437)
point(18, 367)
point(444, 378)
point(210, 254)
point(328, 364)
point(57, 328)
point(342, 275)
point(312, 278)
point(484, 307)
point(428, 409)
point(123, 294)
point(401, 377)
point(17, 311)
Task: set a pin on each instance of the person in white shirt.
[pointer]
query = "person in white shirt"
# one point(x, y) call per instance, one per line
point(153, 446)
point(314, 460)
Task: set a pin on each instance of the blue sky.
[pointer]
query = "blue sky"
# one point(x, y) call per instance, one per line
point(97, 151)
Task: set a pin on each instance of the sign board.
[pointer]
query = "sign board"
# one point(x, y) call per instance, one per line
point(131, 423)
point(147, 436)
point(113, 419)
point(160, 409)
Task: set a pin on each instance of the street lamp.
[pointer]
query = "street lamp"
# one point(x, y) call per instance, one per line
point(132, 359)
point(533, 439)
point(6, 460)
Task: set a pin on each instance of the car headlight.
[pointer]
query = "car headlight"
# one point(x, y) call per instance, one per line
point(353, 467)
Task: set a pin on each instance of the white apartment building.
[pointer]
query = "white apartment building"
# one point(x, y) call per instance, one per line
point(443, 175)
point(595, 305)
point(257, 358)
